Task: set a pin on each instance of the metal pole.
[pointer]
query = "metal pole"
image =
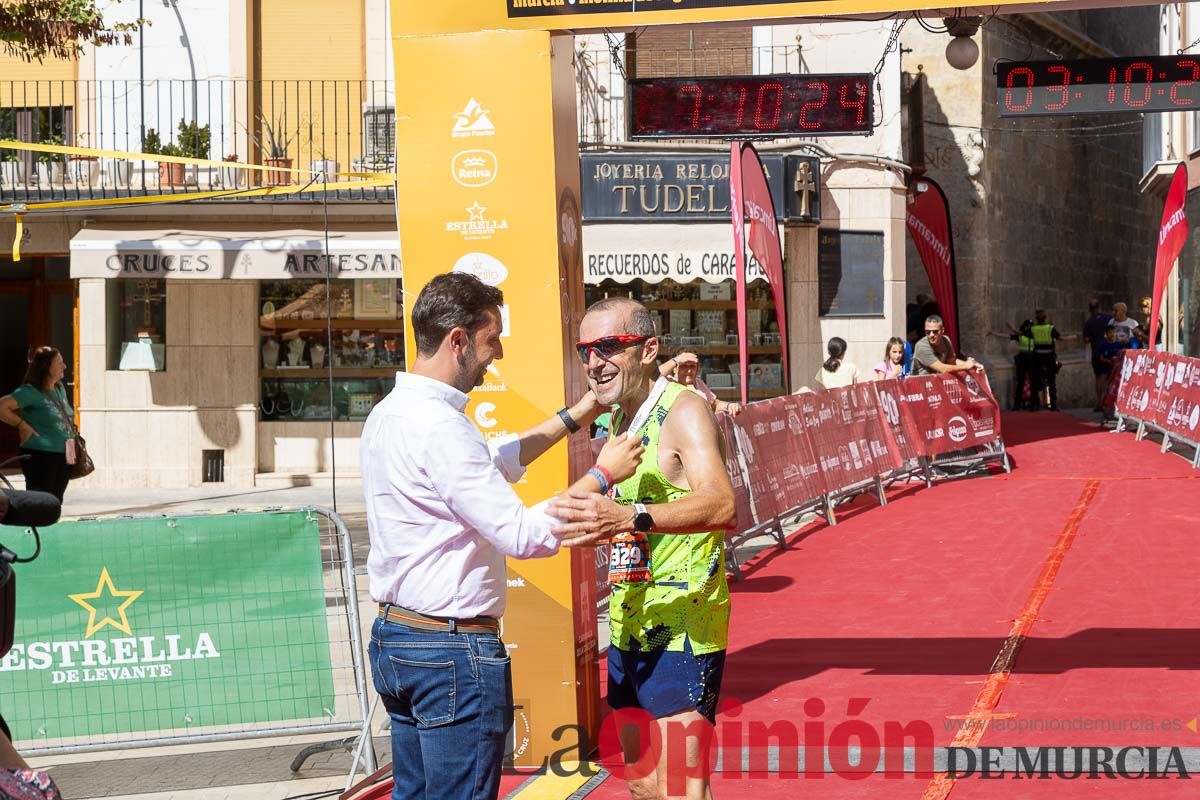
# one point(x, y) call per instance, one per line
point(360, 682)
point(142, 75)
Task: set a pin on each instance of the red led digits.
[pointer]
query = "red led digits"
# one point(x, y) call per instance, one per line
point(822, 98)
point(741, 107)
point(1063, 90)
point(1130, 99)
point(1194, 68)
point(1026, 74)
point(698, 94)
point(763, 91)
point(859, 92)
point(749, 106)
point(1137, 84)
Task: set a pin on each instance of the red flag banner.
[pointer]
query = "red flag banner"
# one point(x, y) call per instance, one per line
point(739, 261)
point(928, 222)
point(1172, 234)
point(763, 239)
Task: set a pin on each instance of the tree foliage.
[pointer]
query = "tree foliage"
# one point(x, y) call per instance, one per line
point(37, 29)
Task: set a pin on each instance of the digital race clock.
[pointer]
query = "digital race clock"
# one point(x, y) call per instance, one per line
point(1098, 85)
point(749, 106)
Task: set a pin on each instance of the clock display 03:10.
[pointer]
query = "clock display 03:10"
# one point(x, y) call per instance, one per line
point(1098, 86)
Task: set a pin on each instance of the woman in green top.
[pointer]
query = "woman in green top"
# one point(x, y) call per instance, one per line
point(39, 410)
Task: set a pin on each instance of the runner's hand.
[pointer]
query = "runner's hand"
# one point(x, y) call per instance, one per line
point(585, 411)
point(588, 519)
point(621, 456)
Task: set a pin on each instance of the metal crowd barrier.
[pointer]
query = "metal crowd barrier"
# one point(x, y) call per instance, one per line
point(1156, 392)
point(152, 630)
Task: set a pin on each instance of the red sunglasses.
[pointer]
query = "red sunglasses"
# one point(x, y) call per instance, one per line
point(607, 346)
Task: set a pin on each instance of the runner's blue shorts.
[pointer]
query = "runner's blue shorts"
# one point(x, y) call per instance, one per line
point(665, 683)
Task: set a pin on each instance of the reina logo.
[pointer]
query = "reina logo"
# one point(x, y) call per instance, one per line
point(474, 168)
point(472, 121)
point(95, 660)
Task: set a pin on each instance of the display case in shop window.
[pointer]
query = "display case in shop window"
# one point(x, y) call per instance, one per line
point(702, 318)
point(350, 330)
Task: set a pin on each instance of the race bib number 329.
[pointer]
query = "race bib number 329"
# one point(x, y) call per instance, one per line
point(629, 558)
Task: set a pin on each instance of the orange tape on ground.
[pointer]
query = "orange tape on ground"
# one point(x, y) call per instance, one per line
point(976, 722)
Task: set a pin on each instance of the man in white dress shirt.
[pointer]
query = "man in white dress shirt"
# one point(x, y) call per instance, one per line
point(442, 518)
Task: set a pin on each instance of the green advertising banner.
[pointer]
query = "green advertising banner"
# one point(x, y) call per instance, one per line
point(169, 624)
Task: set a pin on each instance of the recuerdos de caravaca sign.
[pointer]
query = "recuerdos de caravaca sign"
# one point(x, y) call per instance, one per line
point(750, 106)
point(1140, 84)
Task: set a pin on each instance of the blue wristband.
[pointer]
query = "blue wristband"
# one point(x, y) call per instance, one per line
point(603, 483)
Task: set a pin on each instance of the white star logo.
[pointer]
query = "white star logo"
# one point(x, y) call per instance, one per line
point(476, 212)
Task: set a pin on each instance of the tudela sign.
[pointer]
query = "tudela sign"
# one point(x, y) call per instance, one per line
point(689, 187)
point(234, 254)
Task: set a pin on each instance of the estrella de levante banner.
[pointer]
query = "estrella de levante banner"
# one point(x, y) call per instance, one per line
point(138, 626)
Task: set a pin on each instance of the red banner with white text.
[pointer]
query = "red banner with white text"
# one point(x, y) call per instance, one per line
point(1172, 234)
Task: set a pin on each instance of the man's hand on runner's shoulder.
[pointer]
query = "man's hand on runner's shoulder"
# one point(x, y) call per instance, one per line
point(588, 519)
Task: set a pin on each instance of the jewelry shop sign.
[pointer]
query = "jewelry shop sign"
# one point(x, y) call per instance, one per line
point(689, 187)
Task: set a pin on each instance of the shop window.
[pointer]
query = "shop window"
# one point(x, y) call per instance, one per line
point(296, 354)
point(701, 318)
point(137, 324)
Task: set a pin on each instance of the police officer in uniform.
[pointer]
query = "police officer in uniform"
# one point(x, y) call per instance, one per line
point(1025, 368)
point(1045, 358)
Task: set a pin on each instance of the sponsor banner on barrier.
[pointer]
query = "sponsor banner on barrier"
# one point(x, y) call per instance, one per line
point(1161, 389)
point(896, 419)
point(143, 625)
point(851, 450)
point(765, 454)
point(804, 481)
point(950, 412)
point(733, 465)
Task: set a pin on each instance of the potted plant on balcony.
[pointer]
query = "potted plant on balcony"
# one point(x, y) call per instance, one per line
point(12, 168)
point(151, 145)
point(83, 170)
point(50, 165)
point(229, 175)
point(275, 151)
point(325, 169)
point(194, 142)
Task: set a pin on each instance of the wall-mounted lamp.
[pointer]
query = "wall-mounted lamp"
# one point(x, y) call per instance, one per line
point(962, 52)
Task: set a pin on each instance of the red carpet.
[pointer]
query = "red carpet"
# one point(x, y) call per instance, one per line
point(1085, 555)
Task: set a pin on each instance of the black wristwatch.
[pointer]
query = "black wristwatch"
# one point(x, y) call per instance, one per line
point(642, 521)
point(565, 416)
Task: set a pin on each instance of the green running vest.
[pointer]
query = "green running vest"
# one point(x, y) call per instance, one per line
point(687, 596)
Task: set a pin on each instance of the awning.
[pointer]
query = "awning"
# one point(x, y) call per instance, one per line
point(194, 254)
point(652, 253)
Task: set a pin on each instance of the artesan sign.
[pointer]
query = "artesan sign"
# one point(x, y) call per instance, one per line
point(214, 255)
point(688, 187)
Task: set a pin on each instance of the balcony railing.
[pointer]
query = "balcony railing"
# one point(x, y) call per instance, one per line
point(318, 127)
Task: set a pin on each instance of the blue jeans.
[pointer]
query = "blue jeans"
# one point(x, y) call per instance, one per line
point(450, 699)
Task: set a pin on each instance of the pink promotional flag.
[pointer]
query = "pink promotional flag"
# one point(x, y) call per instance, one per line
point(739, 260)
point(763, 238)
point(928, 221)
point(750, 199)
point(1172, 234)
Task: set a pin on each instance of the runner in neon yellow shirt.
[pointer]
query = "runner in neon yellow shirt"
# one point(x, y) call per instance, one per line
point(670, 601)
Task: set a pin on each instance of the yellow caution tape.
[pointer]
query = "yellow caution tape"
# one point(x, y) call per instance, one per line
point(17, 239)
point(179, 197)
point(12, 144)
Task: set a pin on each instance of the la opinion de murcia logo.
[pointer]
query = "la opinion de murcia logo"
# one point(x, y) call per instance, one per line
point(93, 660)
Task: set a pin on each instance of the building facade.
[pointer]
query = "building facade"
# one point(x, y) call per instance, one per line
point(242, 340)
point(1046, 212)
